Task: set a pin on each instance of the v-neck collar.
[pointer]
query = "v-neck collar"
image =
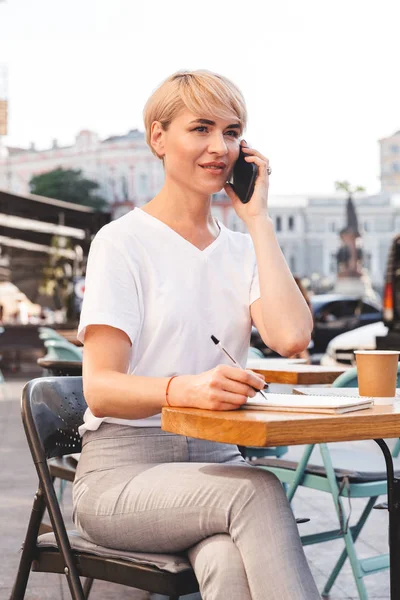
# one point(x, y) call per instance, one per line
point(161, 225)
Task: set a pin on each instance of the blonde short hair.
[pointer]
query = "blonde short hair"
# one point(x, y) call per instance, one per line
point(202, 92)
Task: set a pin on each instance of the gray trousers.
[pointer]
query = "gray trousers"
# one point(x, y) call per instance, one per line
point(142, 489)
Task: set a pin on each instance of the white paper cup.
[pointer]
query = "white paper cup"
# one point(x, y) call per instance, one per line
point(377, 374)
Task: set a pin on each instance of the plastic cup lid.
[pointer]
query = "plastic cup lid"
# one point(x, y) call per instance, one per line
point(377, 352)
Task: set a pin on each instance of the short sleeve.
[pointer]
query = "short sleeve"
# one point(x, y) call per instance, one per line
point(255, 293)
point(111, 291)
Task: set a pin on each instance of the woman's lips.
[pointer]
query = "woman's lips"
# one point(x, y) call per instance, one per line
point(216, 170)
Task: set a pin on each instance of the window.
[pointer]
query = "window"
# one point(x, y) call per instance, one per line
point(339, 309)
point(367, 309)
point(124, 188)
point(278, 224)
point(394, 148)
point(396, 167)
point(143, 183)
point(367, 260)
point(332, 226)
point(291, 223)
point(333, 263)
point(292, 263)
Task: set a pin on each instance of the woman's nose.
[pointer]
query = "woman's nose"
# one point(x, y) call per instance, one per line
point(218, 145)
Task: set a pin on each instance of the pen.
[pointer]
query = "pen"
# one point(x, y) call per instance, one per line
point(235, 362)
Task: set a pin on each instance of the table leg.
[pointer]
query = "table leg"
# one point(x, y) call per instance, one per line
point(393, 485)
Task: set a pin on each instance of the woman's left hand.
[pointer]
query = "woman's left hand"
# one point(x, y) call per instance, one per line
point(258, 203)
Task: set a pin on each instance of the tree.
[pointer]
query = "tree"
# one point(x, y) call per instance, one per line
point(68, 185)
point(345, 186)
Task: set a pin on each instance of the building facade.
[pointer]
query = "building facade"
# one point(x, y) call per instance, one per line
point(308, 229)
point(390, 163)
point(123, 166)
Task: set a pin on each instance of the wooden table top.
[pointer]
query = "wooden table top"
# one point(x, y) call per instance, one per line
point(59, 368)
point(270, 428)
point(298, 374)
point(49, 363)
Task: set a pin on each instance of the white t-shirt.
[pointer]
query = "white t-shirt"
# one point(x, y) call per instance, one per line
point(169, 297)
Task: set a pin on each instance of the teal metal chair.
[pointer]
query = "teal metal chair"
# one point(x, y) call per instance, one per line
point(345, 474)
point(47, 333)
point(62, 350)
point(255, 353)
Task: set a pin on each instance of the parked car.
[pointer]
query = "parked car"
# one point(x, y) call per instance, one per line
point(391, 300)
point(340, 350)
point(333, 314)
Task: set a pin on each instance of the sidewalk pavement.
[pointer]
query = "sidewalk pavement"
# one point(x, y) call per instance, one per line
point(18, 484)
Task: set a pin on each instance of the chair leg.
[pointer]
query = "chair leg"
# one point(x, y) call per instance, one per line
point(29, 545)
point(61, 489)
point(355, 533)
point(299, 473)
point(396, 449)
point(87, 586)
point(71, 570)
point(347, 536)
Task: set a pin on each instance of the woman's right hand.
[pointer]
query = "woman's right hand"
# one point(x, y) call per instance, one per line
point(221, 388)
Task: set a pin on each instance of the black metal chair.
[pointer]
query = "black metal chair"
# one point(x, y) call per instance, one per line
point(60, 467)
point(52, 410)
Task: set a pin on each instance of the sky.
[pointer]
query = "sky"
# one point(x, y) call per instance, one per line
point(320, 77)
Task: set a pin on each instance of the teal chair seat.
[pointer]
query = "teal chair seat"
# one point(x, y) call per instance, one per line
point(62, 350)
point(357, 466)
point(343, 473)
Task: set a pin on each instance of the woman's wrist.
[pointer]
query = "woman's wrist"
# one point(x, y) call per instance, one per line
point(177, 391)
point(261, 222)
point(167, 389)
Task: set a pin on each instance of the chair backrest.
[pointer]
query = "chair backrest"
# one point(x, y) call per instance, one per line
point(349, 378)
point(52, 410)
point(45, 333)
point(254, 353)
point(62, 350)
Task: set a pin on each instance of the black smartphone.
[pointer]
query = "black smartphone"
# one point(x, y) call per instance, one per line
point(243, 178)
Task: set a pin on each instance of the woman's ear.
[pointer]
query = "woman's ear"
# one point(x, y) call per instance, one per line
point(157, 138)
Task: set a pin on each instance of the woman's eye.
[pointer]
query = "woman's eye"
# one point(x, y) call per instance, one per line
point(233, 133)
point(201, 129)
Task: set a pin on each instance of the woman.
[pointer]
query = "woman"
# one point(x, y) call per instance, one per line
point(160, 281)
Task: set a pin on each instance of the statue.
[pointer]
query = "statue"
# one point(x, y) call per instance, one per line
point(349, 256)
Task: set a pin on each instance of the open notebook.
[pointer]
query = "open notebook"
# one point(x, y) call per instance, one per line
point(309, 404)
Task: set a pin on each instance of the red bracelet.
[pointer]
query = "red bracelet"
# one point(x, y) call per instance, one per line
point(166, 391)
